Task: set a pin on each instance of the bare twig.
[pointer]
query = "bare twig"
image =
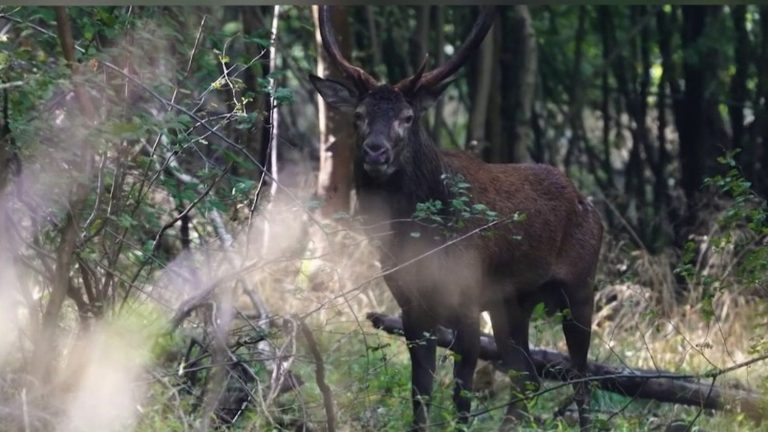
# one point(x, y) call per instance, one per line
point(325, 390)
point(191, 205)
point(68, 46)
point(405, 264)
point(11, 84)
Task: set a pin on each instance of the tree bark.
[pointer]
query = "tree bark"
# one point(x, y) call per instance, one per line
point(373, 33)
point(497, 116)
point(479, 113)
point(643, 384)
point(528, 70)
point(761, 122)
point(692, 109)
point(336, 134)
point(439, 122)
point(666, 23)
point(519, 68)
point(739, 81)
point(45, 353)
point(575, 91)
point(635, 106)
point(10, 163)
point(605, 108)
point(661, 196)
point(422, 35)
point(252, 138)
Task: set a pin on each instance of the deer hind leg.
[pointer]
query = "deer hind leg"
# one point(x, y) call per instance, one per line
point(467, 346)
point(422, 348)
point(577, 327)
point(510, 329)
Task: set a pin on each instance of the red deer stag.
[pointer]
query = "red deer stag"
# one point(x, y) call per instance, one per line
point(547, 257)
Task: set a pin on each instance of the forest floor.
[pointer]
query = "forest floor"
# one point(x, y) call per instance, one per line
point(636, 324)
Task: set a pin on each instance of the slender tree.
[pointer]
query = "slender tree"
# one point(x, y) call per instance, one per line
point(336, 135)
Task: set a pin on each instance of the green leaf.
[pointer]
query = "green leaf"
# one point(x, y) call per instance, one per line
point(231, 28)
point(125, 130)
point(283, 95)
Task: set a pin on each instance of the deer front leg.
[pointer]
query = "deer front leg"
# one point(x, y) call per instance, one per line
point(421, 347)
point(510, 329)
point(577, 328)
point(467, 349)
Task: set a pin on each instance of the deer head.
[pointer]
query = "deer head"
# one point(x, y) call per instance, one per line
point(386, 116)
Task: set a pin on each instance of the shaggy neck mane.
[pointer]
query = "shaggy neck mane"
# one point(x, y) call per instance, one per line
point(418, 178)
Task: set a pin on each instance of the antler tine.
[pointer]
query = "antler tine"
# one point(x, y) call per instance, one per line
point(410, 85)
point(476, 36)
point(362, 80)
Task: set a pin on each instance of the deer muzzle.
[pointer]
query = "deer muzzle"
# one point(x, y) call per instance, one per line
point(377, 159)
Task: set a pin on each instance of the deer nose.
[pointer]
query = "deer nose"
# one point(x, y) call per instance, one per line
point(376, 153)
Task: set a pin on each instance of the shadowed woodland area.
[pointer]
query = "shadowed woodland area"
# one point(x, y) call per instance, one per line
point(180, 250)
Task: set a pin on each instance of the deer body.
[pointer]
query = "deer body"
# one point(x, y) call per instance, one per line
point(547, 257)
point(556, 235)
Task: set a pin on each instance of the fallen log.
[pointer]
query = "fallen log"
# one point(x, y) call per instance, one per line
point(661, 386)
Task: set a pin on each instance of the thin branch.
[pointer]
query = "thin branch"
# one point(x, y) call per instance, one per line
point(325, 390)
point(191, 205)
point(68, 46)
point(11, 84)
point(405, 264)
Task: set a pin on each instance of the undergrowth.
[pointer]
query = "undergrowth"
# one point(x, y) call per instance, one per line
point(644, 319)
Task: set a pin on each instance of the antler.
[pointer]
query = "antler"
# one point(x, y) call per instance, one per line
point(409, 85)
point(359, 77)
point(435, 77)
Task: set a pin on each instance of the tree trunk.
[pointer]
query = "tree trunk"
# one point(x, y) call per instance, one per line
point(739, 83)
point(373, 33)
point(523, 135)
point(479, 113)
point(250, 137)
point(661, 197)
point(645, 384)
point(519, 64)
point(10, 164)
point(403, 43)
point(336, 134)
point(605, 108)
point(635, 106)
point(666, 24)
point(761, 122)
point(575, 91)
point(439, 122)
point(392, 48)
point(496, 114)
point(422, 35)
point(695, 142)
point(45, 350)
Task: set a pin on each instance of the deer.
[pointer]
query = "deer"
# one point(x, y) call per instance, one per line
point(547, 257)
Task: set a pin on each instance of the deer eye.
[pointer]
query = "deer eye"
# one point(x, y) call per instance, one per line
point(358, 116)
point(408, 119)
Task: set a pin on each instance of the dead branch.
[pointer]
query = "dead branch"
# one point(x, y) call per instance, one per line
point(189, 208)
point(325, 390)
point(658, 385)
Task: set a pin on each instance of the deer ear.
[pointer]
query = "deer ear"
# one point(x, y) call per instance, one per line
point(334, 93)
point(426, 97)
